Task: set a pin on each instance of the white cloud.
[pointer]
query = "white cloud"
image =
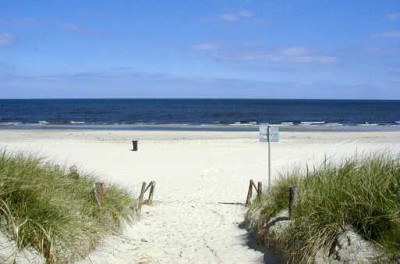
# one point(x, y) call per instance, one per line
point(383, 49)
point(73, 27)
point(393, 16)
point(236, 16)
point(18, 22)
point(206, 46)
point(68, 26)
point(6, 39)
point(291, 54)
point(387, 34)
point(118, 84)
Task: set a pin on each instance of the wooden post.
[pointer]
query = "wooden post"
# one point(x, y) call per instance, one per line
point(99, 190)
point(147, 187)
point(47, 251)
point(249, 193)
point(134, 145)
point(292, 200)
point(73, 172)
point(254, 185)
point(307, 170)
point(141, 196)
point(153, 186)
point(259, 189)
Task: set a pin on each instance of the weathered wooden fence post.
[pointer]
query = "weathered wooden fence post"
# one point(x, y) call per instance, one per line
point(259, 189)
point(145, 188)
point(249, 193)
point(292, 200)
point(153, 186)
point(134, 145)
point(141, 196)
point(99, 190)
point(73, 172)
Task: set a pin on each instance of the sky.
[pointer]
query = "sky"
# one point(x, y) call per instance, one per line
point(313, 49)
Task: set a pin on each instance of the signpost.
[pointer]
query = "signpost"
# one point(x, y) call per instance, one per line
point(269, 134)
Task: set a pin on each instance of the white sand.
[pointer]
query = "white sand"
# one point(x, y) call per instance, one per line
point(200, 176)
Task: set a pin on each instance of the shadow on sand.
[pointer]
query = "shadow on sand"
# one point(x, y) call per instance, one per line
point(270, 256)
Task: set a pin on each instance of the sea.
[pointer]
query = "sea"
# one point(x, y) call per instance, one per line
point(199, 114)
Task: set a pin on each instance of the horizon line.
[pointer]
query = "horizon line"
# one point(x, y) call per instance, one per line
point(196, 98)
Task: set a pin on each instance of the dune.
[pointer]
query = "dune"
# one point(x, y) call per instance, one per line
point(201, 178)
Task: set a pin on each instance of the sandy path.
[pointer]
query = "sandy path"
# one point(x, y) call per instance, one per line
point(200, 176)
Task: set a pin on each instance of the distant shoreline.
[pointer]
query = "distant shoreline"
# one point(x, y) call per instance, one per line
point(205, 127)
point(218, 114)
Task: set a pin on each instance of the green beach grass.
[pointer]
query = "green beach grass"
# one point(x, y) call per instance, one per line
point(362, 193)
point(54, 211)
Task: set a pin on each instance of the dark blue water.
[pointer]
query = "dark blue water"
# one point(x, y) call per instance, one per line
point(198, 111)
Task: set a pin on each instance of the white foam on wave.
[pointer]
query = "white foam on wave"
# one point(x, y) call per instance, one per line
point(310, 123)
point(287, 124)
point(368, 124)
point(43, 123)
point(9, 123)
point(76, 122)
point(250, 123)
point(334, 124)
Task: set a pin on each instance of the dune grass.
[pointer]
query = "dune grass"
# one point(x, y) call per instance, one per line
point(54, 211)
point(362, 193)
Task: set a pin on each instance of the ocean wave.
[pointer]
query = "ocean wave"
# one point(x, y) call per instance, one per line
point(368, 124)
point(10, 123)
point(244, 123)
point(76, 122)
point(334, 124)
point(312, 123)
point(287, 123)
point(238, 124)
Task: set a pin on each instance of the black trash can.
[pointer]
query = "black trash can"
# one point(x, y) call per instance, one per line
point(134, 145)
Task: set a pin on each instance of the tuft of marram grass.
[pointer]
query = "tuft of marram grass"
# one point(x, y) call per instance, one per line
point(54, 211)
point(363, 193)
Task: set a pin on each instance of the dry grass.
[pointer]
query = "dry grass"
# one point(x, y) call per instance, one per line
point(44, 207)
point(362, 193)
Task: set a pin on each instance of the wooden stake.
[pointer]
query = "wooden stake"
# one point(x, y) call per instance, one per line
point(148, 187)
point(254, 185)
point(292, 200)
point(153, 186)
point(141, 196)
point(249, 193)
point(259, 189)
point(134, 145)
point(98, 191)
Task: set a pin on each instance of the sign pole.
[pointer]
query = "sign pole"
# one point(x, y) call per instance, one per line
point(269, 134)
point(269, 159)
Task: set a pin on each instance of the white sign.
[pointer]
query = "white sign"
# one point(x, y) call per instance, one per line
point(269, 133)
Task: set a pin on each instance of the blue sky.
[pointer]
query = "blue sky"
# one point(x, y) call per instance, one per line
point(200, 49)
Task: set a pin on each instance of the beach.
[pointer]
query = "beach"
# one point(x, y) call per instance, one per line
point(201, 182)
